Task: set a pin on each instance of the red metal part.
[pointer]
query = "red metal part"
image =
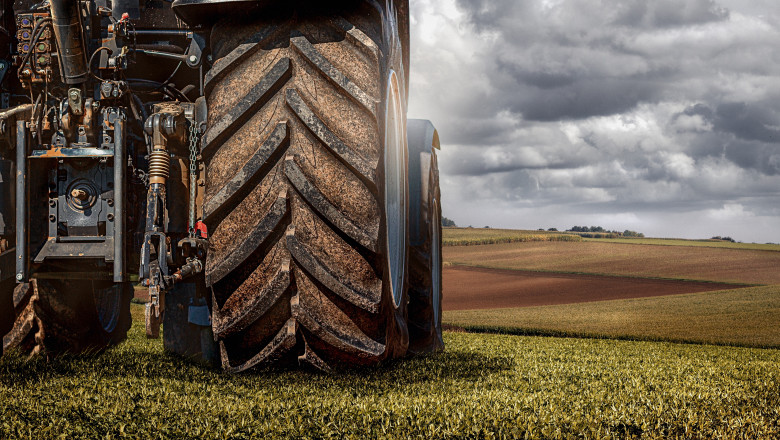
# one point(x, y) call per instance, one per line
point(201, 229)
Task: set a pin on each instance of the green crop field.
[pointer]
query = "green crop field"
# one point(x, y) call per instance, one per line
point(476, 236)
point(746, 317)
point(482, 386)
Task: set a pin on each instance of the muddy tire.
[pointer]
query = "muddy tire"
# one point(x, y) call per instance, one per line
point(68, 316)
point(306, 198)
point(425, 276)
point(7, 315)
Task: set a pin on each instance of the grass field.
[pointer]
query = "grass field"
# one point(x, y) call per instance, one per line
point(746, 317)
point(475, 236)
point(482, 386)
point(673, 262)
point(478, 236)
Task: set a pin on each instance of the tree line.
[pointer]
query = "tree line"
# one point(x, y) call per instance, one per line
point(601, 230)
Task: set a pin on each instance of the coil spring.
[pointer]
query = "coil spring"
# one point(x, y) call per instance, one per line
point(159, 164)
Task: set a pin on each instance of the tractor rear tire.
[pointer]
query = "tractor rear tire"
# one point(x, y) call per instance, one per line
point(54, 317)
point(425, 276)
point(306, 198)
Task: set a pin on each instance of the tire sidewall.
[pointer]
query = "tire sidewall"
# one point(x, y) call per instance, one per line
point(397, 337)
point(434, 220)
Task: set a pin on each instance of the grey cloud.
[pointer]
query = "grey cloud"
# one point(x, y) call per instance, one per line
point(749, 121)
point(600, 108)
point(668, 13)
point(594, 97)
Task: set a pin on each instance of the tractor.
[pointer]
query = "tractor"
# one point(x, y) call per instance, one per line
point(246, 166)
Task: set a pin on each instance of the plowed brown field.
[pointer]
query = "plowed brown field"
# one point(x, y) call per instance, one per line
point(467, 288)
point(681, 262)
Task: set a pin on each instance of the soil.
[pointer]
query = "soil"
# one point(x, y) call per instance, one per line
point(467, 288)
point(681, 262)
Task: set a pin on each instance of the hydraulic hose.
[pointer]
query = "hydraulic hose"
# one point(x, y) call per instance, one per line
point(70, 40)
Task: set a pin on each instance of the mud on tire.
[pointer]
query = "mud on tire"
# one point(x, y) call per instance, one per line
point(295, 200)
point(68, 316)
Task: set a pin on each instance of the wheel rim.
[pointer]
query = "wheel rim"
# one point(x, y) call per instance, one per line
point(436, 263)
point(109, 304)
point(395, 188)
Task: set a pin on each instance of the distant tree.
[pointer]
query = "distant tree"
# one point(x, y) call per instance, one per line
point(540, 229)
point(447, 222)
point(629, 233)
point(718, 237)
point(597, 229)
point(553, 229)
point(486, 227)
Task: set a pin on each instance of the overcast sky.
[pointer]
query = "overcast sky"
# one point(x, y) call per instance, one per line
point(656, 116)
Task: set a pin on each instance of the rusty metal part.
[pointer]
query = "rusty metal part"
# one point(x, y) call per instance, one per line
point(79, 194)
point(64, 152)
point(75, 102)
point(8, 117)
point(159, 165)
point(153, 317)
point(166, 125)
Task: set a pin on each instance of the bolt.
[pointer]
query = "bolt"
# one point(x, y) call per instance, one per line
point(105, 89)
point(74, 94)
point(52, 203)
point(193, 59)
point(110, 202)
point(201, 182)
point(110, 217)
point(79, 194)
point(52, 218)
point(19, 277)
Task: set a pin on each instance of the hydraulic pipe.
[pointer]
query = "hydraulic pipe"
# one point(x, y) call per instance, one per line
point(21, 201)
point(70, 40)
point(119, 200)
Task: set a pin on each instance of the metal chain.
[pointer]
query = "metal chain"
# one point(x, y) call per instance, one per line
point(194, 138)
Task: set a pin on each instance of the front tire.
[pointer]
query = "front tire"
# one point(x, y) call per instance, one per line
point(306, 194)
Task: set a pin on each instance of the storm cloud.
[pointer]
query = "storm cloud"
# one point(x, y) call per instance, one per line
point(659, 116)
